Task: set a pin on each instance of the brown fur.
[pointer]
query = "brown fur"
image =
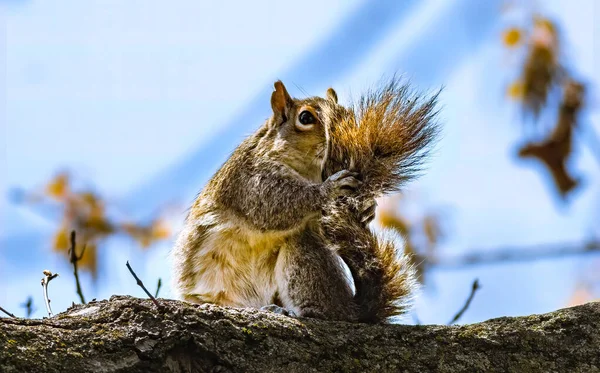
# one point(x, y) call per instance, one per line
point(383, 277)
point(384, 138)
point(273, 222)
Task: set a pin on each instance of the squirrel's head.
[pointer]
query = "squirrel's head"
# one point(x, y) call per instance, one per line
point(299, 130)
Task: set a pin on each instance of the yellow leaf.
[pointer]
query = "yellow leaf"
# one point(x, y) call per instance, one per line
point(431, 228)
point(97, 212)
point(61, 240)
point(515, 90)
point(130, 228)
point(397, 223)
point(544, 34)
point(89, 260)
point(160, 230)
point(139, 233)
point(90, 199)
point(98, 224)
point(58, 186)
point(145, 241)
point(512, 37)
point(546, 24)
point(147, 235)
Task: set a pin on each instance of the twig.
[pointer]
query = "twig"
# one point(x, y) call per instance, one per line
point(141, 284)
point(512, 254)
point(48, 276)
point(474, 289)
point(8, 313)
point(28, 305)
point(74, 258)
point(158, 285)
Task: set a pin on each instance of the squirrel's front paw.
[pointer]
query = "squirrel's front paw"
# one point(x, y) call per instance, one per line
point(368, 211)
point(342, 183)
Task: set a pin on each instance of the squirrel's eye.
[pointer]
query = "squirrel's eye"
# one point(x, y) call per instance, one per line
point(306, 117)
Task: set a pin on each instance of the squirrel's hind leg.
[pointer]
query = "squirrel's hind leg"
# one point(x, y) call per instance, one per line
point(311, 280)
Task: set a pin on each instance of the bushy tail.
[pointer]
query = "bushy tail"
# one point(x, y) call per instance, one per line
point(385, 138)
point(384, 278)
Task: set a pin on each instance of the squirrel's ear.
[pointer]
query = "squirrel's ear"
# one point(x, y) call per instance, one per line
point(281, 101)
point(331, 95)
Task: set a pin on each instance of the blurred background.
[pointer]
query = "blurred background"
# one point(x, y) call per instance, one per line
point(115, 114)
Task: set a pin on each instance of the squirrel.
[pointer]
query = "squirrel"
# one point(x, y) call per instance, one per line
point(275, 225)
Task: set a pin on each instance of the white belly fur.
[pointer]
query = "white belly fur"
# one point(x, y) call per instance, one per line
point(236, 266)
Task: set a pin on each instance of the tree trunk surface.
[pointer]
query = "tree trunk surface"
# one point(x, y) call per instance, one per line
point(126, 334)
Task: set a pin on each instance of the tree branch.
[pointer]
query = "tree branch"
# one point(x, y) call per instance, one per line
point(6, 312)
point(158, 286)
point(459, 314)
point(512, 254)
point(141, 284)
point(129, 335)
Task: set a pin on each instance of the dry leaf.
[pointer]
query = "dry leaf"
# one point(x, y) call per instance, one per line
point(61, 239)
point(515, 90)
point(58, 187)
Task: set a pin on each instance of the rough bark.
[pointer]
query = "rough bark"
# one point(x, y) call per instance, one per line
point(126, 334)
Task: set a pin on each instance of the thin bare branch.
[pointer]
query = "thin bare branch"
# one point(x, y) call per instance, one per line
point(141, 284)
point(48, 276)
point(74, 258)
point(512, 254)
point(158, 286)
point(8, 313)
point(459, 314)
point(28, 305)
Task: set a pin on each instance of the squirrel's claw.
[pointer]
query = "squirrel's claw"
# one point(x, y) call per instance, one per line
point(279, 310)
point(342, 183)
point(368, 213)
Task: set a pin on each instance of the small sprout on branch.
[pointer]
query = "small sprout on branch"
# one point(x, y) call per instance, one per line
point(28, 305)
point(74, 258)
point(474, 289)
point(8, 313)
point(141, 284)
point(48, 276)
point(158, 286)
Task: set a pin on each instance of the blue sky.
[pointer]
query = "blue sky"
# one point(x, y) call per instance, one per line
point(146, 99)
